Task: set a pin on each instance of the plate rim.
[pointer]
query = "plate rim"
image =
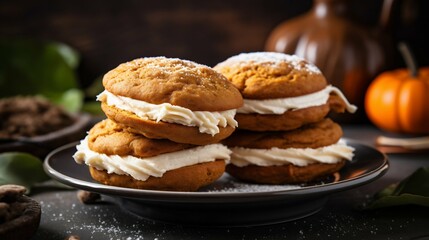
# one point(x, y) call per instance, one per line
point(142, 194)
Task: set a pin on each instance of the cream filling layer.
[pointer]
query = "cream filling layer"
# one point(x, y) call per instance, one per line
point(207, 122)
point(143, 168)
point(297, 156)
point(282, 105)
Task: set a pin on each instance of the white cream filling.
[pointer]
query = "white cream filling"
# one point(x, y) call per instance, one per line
point(142, 168)
point(281, 105)
point(297, 156)
point(207, 122)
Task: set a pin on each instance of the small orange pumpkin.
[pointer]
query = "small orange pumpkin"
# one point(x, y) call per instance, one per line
point(398, 100)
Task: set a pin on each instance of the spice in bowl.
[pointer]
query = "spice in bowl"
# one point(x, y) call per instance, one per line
point(30, 116)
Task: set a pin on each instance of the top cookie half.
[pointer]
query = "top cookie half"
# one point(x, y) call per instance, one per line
point(268, 75)
point(179, 82)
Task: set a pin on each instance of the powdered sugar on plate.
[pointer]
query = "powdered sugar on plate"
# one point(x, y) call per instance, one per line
point(227, 184)
point(246, 188)
point(271, 58)
point(64, 215)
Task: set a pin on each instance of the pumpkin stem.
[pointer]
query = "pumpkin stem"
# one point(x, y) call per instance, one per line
point(409, 58)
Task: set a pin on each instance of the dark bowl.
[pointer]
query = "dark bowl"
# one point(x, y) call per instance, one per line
point(40, 146)
point(24, 226)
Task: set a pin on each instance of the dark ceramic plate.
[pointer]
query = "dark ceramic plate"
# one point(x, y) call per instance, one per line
point(227, 202)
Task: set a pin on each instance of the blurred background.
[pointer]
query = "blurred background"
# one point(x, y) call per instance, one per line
point(60, 49)
point(351, 41)
point(106, 33)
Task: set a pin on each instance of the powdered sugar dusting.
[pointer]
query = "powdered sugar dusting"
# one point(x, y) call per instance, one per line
point(271, 58)
point(228, 184)
point(64, 215)
point(237, 187)
point(167, 65)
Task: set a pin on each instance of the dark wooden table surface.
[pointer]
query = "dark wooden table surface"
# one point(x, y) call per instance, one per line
point(63, 215)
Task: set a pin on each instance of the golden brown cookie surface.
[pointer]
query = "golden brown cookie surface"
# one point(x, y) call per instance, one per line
point(188, 178)
point(179, 82)
point(315, 135)
point(162, 130)
point(109, 138)
point(290, 119)
point(285, 174)
point(269, 75)
point(287, 121)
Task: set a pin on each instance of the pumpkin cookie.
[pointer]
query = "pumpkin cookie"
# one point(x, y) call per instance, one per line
point(109, 138)
point(118, 157)
point(284, 174)
point(315, 135)
point(296, 156)
point(281, 92)
point(187, 179)
point(171, 98)
point(164, 130)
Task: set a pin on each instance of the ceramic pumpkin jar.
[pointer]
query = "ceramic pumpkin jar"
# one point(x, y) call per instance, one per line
point(349, 55)
point(398, 100)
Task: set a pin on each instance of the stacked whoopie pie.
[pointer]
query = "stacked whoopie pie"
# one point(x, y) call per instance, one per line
point(284, 134)
point(165, 120)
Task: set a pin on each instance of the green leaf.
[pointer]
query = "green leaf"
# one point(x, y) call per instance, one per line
point(93, 108)
point(36, 68)
point(71, 100)
point(21, 169)
point(403, 199)
point(414, 190)
point(388, 191)
point(95, 88)
point(417, 183)
point(69, 54)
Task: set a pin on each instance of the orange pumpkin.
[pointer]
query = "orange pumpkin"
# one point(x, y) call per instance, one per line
point(398, 102)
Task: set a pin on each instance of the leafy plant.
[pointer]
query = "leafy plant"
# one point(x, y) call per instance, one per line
point(91, 92)
point(39, 68)
point(21, 169)
point(414, 190)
